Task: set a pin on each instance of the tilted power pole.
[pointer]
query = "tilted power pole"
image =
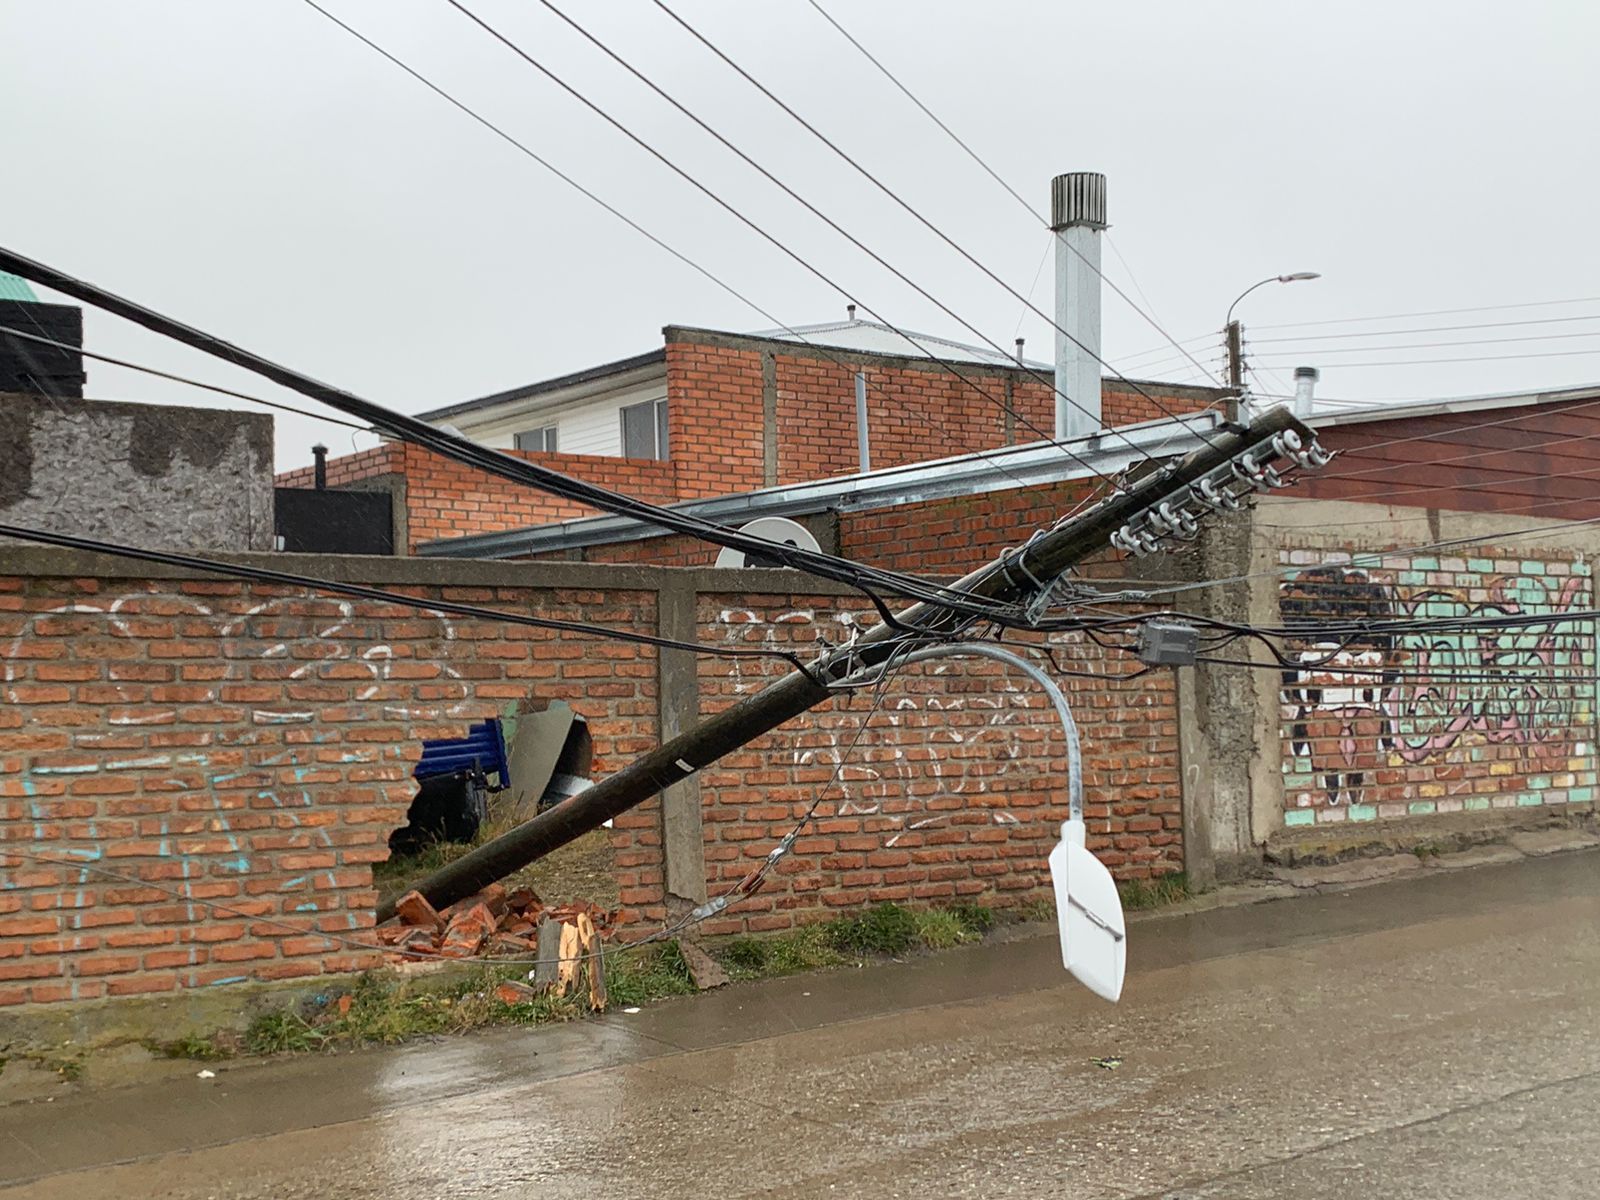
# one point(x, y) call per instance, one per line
point(1169, 502)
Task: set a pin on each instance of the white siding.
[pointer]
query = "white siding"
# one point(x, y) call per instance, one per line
point(587, 426)
point(591, 429)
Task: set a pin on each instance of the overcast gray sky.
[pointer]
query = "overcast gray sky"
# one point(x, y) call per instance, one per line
point(249, 168)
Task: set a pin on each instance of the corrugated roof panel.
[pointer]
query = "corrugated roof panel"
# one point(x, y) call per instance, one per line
point(14, 287)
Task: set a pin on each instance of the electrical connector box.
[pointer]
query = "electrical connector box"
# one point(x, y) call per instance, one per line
point(1168, 644)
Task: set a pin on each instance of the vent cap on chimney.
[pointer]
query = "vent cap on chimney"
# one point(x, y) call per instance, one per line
point(1078, 198)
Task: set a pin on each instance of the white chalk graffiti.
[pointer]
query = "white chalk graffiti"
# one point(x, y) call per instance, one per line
point(888, 780)
point(281, 772)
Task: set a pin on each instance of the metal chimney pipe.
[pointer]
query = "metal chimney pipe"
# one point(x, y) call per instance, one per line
point(863, 437)
point(320, 471)
point(1077, 218)
point(1305, 383)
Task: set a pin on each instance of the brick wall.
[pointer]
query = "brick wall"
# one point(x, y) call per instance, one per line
point(1419, 725)
point(444, 498)
point(917, 410)
point(956, 790)
point(250, 747)
point(714, 409)
point(914, 413)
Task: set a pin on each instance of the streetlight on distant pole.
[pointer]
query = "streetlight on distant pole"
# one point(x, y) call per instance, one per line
point(1235, 332)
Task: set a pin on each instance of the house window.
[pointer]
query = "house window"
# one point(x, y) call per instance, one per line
point(543, 438)
point(644, 430)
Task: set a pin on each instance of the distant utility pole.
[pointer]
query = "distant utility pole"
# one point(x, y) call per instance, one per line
point(1235, 369)
point(1235, 330)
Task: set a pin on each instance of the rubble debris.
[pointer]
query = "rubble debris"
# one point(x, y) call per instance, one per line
point(512, 992)
point(705, 971)
point(413, 909)
point(494, 923)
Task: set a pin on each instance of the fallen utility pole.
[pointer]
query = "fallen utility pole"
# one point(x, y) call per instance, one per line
point(1163, 504)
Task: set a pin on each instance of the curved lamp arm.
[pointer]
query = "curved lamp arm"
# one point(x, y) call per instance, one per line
point(1039, 676)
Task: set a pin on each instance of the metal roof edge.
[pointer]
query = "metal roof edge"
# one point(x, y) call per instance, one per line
point(1466, 404)
point(968, 474)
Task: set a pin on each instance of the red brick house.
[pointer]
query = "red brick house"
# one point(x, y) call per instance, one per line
point(713, 413)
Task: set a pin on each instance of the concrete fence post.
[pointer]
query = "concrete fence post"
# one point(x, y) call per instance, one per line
point(678, 705)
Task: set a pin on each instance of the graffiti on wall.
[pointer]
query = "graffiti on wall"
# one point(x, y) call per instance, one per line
point(928, 771)
point(1364, 706)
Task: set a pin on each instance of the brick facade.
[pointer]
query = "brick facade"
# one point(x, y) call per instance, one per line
point(746, 413)
point(251, 747)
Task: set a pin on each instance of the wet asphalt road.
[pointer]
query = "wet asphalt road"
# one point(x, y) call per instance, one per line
point(1438, 1037)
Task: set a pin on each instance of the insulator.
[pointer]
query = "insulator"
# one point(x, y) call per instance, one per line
point(1218, 498)
point(1247, 473)
point(1177, 520)
point(1286, 444)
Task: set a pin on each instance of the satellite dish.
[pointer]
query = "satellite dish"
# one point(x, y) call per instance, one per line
point(774, 529)
point(1094, 938)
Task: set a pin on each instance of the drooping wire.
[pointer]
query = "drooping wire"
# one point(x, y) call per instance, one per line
point(183, 379)
point(461, 449)
point(257, 574)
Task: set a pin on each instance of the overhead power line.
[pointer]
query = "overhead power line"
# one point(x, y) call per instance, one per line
point(993, 174)
point(1368, 558)
point(929, 113)
point(1432, 312)
point(462, 449)
point(1384, 349)
point(1420, 362)
point(230, 570)
point(194, 383)
point(721, 202)
point(658, 242)
point(1328, 337)
point(916, 213)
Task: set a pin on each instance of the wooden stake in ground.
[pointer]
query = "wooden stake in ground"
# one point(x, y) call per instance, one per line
point(571, 959)
point(595, 961)
point(545, 969)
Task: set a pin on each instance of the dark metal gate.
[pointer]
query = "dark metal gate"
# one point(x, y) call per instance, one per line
point(323, 521)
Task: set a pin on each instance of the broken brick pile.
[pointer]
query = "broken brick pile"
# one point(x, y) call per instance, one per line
point(492, 923)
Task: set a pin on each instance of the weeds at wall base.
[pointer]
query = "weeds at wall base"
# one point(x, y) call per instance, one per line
point(384, 1010)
